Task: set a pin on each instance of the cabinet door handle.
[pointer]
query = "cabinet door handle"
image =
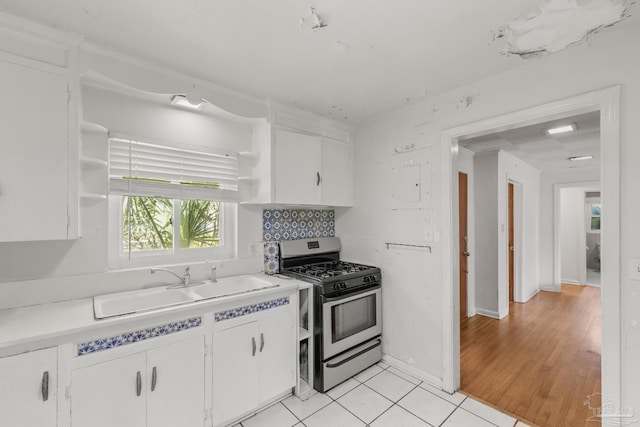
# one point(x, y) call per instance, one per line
point(154, 378)
point(318, 179)
point(261, 341)
point(138, 383)
point(45, 386)
point(253, 343)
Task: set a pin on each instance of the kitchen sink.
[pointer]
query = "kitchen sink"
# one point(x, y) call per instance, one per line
point(231, 286)
point(121, 303)
point(137, 301)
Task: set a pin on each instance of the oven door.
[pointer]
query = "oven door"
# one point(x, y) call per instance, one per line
point(349, 320)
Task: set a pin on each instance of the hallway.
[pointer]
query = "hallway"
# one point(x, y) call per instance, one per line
point(541, 362)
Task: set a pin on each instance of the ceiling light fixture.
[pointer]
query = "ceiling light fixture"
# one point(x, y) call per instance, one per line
point(576, 158)
point(562, 129)
point(182, 101)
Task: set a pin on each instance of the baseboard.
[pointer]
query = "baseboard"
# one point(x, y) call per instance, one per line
point(534, 293)
point(488, 313)
point(551, 288)
point(572, 282)
point(412, 370)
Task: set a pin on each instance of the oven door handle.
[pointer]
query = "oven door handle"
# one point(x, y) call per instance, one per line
point(343, 296)
point(353, 356)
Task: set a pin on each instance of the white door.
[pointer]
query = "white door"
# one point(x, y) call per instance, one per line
point(276, 354)
point(33, 154)
point(110, 394)
point(297, 168)
point(28, 390)
point(337, 174)
point(175, 385)
point(234, 372)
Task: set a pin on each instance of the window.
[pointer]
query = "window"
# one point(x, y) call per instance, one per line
point(170, 203)
point(596, 212)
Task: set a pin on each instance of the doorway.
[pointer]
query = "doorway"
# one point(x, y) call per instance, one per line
point(464, 239)
point(605, 101)
point(511, 239)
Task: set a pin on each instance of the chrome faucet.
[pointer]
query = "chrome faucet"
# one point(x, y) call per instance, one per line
point(214, 270)
point(185, 280)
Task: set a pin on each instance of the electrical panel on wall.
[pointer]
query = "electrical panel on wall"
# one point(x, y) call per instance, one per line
point(410, 178)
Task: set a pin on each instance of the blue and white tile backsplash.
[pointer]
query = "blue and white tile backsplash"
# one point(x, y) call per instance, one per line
point(106, 343)
point(249, 309)
point(292, 224)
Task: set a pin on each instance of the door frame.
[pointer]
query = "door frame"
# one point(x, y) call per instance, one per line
point(557, 211)
point(607, 101)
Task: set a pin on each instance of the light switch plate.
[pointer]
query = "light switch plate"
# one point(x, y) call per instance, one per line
point(634, 269)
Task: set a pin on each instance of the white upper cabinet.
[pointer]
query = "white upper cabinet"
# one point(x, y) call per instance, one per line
point(298, 165)
point(38, 143)
point(337, 174)
point(301, 167)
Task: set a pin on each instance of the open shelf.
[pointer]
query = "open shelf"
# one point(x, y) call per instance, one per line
point(92, 197)
point(303, 334)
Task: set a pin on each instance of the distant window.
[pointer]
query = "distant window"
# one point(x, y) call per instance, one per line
point(169, 203)
point(596, 212)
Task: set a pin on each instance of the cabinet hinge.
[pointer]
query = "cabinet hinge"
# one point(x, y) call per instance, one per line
point(206, 350)
point(68, 94)
point(67, 392)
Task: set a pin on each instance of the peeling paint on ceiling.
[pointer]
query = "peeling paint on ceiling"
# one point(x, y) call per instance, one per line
point(313, 21)
point(561, 23)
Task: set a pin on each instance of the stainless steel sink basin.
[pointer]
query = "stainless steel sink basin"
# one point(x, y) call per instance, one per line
point(231, 286)
point(121, 303)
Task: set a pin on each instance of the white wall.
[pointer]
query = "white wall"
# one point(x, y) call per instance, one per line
point(493, 172)
point(572, 230)
point(486, 224)
point(608, 60)
point(526, 202)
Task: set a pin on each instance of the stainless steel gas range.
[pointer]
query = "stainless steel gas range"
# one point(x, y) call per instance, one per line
point(347, 324)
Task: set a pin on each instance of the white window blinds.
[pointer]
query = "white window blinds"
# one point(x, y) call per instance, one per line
point(145, 169)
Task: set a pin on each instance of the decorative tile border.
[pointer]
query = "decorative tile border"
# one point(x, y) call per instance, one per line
point(250, 309)
point(293, 224)
point(126, 338)
point(271, 258)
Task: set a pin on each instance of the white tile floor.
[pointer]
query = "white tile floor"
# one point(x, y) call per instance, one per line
point(381, 396)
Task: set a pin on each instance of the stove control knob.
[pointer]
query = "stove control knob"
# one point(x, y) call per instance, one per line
point(372, 278)
point(367, 279)
point(339, 286)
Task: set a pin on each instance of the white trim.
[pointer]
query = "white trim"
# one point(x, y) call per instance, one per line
point(533, 294)
point(572, 282)
point(412, 370)
point(607, 101)
point(551, 288)
point(488, 313)
point(557, 259)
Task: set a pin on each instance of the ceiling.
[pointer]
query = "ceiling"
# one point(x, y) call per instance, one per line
point(547, 153)
point(348, 60)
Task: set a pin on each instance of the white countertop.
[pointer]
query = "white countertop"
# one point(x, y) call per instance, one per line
point(33, 327)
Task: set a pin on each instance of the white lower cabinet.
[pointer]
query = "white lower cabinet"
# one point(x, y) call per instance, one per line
point(28, 391)
point(253, 362)
point(156, 388)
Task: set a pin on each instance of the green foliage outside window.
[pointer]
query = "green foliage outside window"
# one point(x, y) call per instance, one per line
point(147, 224)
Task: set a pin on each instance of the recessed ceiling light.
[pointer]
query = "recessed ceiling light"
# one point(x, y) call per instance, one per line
point(182, 101)
point(576, 158)
point(562, 129)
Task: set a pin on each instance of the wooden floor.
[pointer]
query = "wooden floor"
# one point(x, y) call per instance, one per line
point(539, 363)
